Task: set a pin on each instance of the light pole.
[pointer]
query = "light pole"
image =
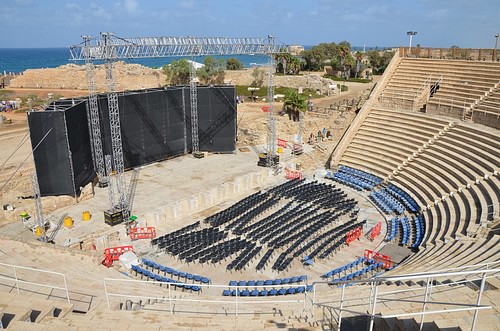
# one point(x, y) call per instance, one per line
point(496, 45)
point(411, 34)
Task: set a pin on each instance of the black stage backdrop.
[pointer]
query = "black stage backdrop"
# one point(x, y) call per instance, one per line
point(61, 150)
point(155, 125)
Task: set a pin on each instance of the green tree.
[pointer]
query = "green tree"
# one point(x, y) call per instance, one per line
point(293, 103)
point(177, 72)
point(213, 72)
point(233, 64)
point(379, 61)
point(258, 77)
point(294, 66)
point(288, 63)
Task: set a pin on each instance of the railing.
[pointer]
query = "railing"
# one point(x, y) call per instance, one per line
point(366, 305)
point(165, 292)
point(20, 273)
point(455, 53)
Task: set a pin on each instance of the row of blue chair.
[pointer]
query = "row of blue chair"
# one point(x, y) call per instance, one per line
point(404, 197)
point(359, 273)
point(392, 229)
point(374, 180)
point(154, 276)
point(349, 180)
point(405, 225)
point(174, 272)
point(387, 202)
point(419, 222)
point(267, 292)
point(277, 281)
point(344, 268)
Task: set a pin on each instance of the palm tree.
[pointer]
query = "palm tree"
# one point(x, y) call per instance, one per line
point(295, 105)
point(359, 57)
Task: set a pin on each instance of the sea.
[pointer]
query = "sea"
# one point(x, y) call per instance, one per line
point(17, 60)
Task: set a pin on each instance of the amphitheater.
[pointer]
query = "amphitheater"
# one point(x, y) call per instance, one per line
point(245, 248)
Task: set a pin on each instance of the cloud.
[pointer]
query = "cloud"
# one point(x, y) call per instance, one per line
point(23, 2)
point(438, 14)
point(77, 15)
point(186, 4)
point(131, 6)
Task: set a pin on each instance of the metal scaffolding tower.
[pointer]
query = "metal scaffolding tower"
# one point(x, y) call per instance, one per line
point(40, 221)
point(114, 121)
point(111, 191)
point(271, 121)
point(193, 97)
point(110, 48)
point(95, 126)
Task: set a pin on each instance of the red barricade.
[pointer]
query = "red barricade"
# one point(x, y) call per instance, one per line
point(293, 174)
point(353, 235)
point(116, 252)
point(143, 233)
point(376, 230)
point(282, 142)
point(377, 257)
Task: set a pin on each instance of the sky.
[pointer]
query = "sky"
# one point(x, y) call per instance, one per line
point(438, 23)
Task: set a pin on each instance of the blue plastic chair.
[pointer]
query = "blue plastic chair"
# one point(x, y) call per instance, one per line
point(245, 293)
point(273, 292)
point(263, 293)
point(233, 283)
point(254, 293)
point(282, 291)
point(226, 293)
point(291, 290)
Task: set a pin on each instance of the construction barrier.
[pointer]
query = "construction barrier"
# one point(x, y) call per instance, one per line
point(353, 235)
point(282, 142)
point(376, 230)
point(143, 233)
point(377, 257)
point(293, 174)
point(116, 252)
